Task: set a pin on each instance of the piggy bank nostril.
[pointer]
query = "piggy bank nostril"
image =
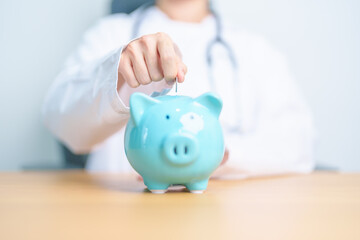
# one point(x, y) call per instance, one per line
point(181, 150)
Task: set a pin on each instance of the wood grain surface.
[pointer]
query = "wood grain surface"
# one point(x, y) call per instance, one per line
point(79, 205)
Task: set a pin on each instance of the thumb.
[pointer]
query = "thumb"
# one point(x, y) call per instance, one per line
point(182, 70)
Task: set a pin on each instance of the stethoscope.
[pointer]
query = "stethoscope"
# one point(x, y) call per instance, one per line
point(217, 40)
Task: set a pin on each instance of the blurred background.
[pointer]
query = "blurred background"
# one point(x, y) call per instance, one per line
point(321, 39)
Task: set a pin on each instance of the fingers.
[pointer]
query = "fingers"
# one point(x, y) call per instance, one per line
point(140, 70)
point(138, 63)
point(181, 67)
point(168, 57)
point(126, 73)
point(139, 178)
point(151, 58)
point(226, 157)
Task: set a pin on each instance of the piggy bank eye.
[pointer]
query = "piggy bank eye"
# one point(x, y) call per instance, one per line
point(167, 116)
point(191, 116)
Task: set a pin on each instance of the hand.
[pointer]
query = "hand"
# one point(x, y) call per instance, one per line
point(150, 58)
point(226, 157)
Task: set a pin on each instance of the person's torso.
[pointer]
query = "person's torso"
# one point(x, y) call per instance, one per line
point(193, 41)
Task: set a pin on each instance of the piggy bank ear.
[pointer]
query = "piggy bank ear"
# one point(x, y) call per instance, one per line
point(139, 103)
point(211, 101)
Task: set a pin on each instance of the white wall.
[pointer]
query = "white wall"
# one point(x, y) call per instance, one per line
point(35, 38)
point(321, 39)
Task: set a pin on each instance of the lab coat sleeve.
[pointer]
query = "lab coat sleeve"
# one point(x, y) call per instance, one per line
point(82, 107)
point(282, 138)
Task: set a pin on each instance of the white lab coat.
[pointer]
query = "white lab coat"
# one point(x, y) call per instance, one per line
point(84, 110)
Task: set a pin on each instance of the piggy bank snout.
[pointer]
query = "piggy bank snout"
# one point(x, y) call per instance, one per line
point(181, 149)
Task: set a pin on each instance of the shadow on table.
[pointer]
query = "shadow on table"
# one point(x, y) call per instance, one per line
point(113, 182)
point(131, 185)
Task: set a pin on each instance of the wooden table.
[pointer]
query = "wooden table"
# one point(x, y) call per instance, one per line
point(77, 205)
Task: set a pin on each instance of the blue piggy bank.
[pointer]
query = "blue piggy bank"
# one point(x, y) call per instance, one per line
point(174, 140)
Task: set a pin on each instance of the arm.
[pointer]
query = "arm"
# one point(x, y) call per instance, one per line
point(283, 134)
point(82, 107)
point(88, 101)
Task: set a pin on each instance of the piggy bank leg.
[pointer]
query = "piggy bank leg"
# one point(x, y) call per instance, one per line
point(197, 187)
point(156, 187)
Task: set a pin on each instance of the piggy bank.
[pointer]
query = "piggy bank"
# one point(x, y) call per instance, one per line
point(174, 140)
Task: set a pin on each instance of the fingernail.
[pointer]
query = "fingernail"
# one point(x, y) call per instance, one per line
point(170, 82)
